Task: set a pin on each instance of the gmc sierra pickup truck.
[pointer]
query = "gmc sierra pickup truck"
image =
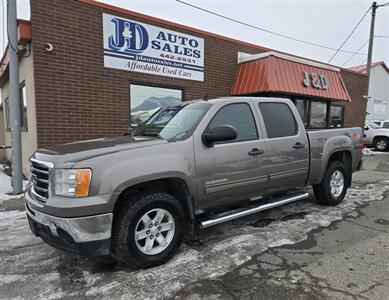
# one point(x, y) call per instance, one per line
point(189, 166)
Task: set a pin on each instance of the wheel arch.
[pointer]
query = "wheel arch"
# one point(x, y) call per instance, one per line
point(345, 157)
point(175, 186)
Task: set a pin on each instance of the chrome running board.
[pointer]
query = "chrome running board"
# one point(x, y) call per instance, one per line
point(226, 216)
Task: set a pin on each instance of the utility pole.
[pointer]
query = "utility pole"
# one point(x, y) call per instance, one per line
point(14, 103)
point(371, 40)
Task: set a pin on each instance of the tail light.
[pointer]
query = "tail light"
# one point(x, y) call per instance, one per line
point(361, 142)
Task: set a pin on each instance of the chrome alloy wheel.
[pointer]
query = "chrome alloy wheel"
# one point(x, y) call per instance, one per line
point(337, 183)
point(381, 145)
point(154, 231)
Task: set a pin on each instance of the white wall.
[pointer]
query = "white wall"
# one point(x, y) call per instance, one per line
point(378, 90)
point(29, 138)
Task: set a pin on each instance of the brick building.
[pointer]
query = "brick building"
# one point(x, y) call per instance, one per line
point(91, 70)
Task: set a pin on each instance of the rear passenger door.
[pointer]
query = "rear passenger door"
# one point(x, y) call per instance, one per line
point(287, 145)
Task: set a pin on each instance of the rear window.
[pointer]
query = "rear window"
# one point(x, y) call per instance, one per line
point(279, 119)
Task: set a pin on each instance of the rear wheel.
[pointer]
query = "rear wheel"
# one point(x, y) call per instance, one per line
point(148, 230)
point(381, 144)
point(333, 188)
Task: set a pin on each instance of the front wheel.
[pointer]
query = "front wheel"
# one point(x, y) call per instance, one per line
point(332, 189)
point(148, 230)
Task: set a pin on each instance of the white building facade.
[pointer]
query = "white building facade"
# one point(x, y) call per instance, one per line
point(378, 101)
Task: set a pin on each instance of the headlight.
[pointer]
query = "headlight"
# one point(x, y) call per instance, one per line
point(72, 182)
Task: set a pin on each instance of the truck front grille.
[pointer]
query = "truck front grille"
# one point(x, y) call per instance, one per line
point(39, 178)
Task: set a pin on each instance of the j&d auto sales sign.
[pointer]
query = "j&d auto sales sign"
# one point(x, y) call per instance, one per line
point(138, 47)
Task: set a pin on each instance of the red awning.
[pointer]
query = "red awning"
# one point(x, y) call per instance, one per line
point(279, 73)
point(24, 37)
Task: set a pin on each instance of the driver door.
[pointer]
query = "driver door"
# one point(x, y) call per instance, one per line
point(228, 172)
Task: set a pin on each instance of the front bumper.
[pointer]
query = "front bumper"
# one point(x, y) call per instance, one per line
point(83, 235)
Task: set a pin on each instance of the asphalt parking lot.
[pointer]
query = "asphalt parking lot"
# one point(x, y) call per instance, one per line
point(303, 250)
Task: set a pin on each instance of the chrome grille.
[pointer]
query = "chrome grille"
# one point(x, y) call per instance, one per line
point(39, 178)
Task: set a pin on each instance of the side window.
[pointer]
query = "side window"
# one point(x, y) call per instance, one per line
point(279, 119)
point(240, 117)
point(386, 125)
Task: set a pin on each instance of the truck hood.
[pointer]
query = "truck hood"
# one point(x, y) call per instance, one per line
point(380, 131)
point(67, 155)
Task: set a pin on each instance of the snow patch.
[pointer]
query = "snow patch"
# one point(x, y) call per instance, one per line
point(224, 247)
point(6, 187)
point(368, 151)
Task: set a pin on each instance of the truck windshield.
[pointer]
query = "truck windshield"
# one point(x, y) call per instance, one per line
point(173, 123)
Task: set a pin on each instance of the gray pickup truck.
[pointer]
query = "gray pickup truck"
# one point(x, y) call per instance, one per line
point(189, 166)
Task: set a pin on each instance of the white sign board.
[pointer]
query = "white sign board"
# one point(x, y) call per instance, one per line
point(138, 47)
point(379, 107)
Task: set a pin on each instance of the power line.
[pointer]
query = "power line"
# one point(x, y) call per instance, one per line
point(364, 61)
point(359, 49)
point(351, 33)
point(265, 30)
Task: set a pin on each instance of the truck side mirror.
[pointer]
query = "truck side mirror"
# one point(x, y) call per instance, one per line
point(221, 133)
point(366, 128)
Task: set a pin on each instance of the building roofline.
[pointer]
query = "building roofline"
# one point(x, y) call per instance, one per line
point(202, 32)
point(362, 68)
point(243, 57)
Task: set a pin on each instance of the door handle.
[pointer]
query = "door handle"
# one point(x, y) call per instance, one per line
point(298, 145)
point(256, 151)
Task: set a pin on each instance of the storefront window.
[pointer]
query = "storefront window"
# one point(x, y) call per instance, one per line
point(302, 109)
point(318, 116)
point(146, 100)
point(336, 116)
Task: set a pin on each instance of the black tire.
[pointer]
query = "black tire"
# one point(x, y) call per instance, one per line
point(323, 190)
point(381, 144)
point(124, 247)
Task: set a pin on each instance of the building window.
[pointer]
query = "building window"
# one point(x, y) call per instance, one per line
point(23, 109)
point(283, 125)
point(302, 108)
point(23, 106)
point(146, 100)
point(240, 117)
point(318, 114)
point(6, 109)
point(336, 116)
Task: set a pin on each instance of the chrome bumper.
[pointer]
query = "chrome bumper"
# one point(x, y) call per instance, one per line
point(83, 229)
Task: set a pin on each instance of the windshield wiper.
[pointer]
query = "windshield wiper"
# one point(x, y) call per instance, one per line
point(175, 137)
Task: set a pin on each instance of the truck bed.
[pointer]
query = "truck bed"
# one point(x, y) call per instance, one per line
point(323, 142)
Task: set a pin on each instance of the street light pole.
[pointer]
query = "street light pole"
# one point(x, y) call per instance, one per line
point(14, 103)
